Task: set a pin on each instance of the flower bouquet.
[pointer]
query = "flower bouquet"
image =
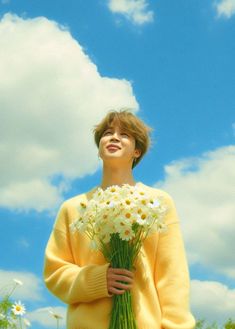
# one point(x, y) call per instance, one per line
point(12, 314)
point(118, 220)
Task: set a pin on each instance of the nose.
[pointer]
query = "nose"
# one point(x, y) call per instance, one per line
point(114, 136)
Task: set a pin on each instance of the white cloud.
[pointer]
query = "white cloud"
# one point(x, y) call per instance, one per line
point(212, 301)
point(45, 319)
point(134, 10)
point(35, 194)
point(51, 96)
point(31, 289)
point(225, 8)
point(203, 190)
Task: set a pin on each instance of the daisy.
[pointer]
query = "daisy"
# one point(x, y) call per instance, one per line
point(18, 282)
point(55, 315)
point(82, 207)
point(126, 233)
point(127, 203)
point(153, 203)
point(18, 308)
point(120, 223)
point(134, 214)
point(143, 218)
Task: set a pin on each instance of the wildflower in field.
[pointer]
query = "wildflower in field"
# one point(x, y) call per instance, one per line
point(18, 308)
point(55, 315)
point(18, 282)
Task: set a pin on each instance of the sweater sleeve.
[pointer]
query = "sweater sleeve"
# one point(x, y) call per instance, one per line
point(65, 279)
point(172, 275)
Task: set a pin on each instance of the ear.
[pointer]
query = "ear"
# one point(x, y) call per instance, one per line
point(137, 153)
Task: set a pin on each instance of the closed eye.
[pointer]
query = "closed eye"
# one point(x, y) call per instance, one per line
point(110, 132)
point(107, 132)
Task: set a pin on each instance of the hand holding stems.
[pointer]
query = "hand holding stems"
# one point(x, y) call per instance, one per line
point(119, 280)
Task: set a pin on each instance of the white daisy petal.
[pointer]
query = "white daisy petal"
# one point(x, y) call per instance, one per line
point(18, 308)
point(18, 282)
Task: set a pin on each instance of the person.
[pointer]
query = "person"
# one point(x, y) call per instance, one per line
point(82, 278)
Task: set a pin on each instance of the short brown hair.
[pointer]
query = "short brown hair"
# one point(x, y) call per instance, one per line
point(128, 121)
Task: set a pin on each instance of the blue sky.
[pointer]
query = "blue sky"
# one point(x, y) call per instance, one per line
point(63, 66)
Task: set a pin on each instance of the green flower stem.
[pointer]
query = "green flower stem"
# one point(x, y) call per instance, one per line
point(20, 321)
point(11, 292)
point(121, 255)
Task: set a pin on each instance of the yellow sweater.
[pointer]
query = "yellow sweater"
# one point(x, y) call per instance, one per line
point(77, 275)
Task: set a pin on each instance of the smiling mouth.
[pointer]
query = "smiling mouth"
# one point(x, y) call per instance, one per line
point(113, 148)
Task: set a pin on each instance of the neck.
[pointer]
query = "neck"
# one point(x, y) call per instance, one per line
point(116, 176)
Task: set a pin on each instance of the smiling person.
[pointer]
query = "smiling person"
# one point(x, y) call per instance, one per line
point(82, 278)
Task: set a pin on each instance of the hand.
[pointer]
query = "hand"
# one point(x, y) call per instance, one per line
point(114, 276)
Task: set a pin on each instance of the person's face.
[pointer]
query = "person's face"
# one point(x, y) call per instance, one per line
point(124, 145)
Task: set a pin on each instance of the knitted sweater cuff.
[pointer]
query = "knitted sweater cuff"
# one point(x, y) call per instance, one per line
point(97, 282)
